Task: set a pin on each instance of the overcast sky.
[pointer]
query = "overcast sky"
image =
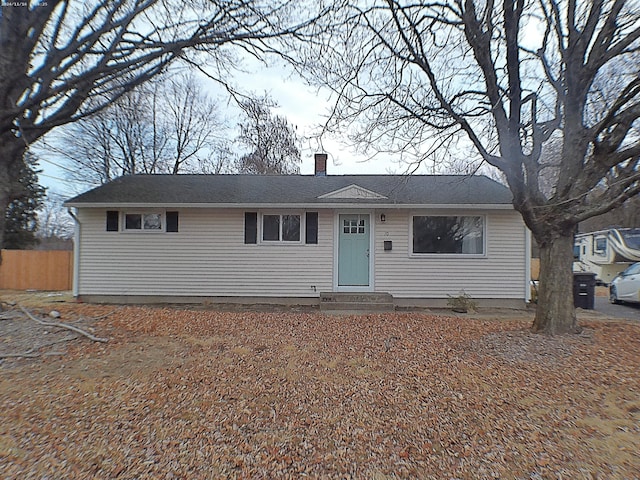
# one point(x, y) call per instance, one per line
point(305, 108)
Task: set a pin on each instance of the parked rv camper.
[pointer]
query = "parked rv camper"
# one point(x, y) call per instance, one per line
point(606, 252)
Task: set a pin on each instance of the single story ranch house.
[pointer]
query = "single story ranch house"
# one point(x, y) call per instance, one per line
point(292, 238)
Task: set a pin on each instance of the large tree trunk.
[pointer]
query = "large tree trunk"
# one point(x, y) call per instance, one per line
point(555, 312)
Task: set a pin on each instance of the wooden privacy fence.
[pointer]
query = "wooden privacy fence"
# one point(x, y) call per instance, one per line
point(535, 269)
point(36, 270)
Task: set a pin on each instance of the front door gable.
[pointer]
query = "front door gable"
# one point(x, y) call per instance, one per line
point(352, 192)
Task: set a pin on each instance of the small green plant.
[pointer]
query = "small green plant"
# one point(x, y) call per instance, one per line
point(463, 303)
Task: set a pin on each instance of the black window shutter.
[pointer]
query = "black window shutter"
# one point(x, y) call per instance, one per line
point(112, 221)
point(312, 228)
point(172, 221)
point(250, 227)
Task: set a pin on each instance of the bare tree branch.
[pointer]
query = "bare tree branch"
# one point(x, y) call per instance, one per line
point(56, 55)
point(63, 325)
point(509, 78)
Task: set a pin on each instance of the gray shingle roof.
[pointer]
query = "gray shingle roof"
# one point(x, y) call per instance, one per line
point(175, 190)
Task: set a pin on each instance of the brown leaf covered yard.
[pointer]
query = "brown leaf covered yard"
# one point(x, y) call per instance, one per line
point(180, 393)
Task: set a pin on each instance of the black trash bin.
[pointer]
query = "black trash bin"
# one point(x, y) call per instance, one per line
point(584, 290)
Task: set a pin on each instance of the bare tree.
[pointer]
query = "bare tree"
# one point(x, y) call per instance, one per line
point(506, 77)
point(127, 137)
point(57, 54)
point(55, 226)
point(219, 161)
point(167, 125)
point(626, 215)
point(272, 142)
point(195, 129)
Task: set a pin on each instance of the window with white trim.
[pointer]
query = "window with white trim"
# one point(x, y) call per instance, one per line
point(281, 228)
point(143, 221)
point(117, 221)
point(600, 246)
point(457, 235)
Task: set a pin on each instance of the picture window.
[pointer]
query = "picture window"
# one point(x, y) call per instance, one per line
point(448, 235)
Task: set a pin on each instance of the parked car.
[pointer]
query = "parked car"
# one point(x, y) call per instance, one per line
point(625, 287)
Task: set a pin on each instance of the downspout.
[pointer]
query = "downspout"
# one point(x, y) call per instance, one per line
point(76, 252)
point(527, 254)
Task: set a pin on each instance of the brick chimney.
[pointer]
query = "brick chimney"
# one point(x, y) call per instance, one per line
point(321, 164)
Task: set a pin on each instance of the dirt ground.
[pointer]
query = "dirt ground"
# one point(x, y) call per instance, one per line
point(179, 392)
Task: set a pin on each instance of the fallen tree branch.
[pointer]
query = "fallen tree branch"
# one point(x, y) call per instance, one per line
point(105, 315)
point(12, 315)
point(63, 325)
point(55, 342)
point(30, 354)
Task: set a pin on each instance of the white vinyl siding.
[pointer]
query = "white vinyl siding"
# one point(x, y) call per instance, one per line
point(501, 273)
point(207, 257)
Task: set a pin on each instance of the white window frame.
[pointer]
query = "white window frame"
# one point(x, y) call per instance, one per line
point(412, 254)
point(280, 241)
point(142, 213)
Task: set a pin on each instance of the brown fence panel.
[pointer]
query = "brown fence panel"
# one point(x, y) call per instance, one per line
point(36, 270)
point(535, 269)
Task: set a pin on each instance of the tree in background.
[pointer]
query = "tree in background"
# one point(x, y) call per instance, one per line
point(272, 142)
point(626, 215)
point(55, 225)
point(167, 125)
point(57, 54)
point(194, 128)
point(508, 78)
point(20, 217)
point(116, 140)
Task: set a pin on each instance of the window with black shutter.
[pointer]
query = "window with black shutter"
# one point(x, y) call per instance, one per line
point(311, 228)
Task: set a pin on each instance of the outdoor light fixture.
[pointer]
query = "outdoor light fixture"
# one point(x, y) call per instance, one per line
point(383, 217)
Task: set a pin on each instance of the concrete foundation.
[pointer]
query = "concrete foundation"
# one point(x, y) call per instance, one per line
point(399, 302)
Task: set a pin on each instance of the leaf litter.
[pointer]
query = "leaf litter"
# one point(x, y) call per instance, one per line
point(180, 393)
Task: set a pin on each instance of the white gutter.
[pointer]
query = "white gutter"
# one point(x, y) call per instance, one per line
point(527, 256)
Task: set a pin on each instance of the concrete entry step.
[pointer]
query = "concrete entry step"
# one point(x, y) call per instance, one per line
point(369, 302)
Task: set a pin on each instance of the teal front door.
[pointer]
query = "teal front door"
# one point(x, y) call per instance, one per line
point(353, 250)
